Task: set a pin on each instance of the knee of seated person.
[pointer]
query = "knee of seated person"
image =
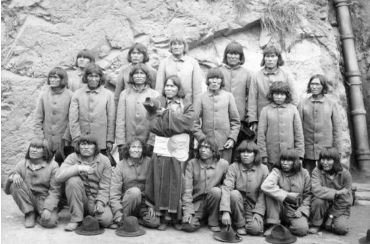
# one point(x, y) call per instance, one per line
point(235, 195)
point(215, 192)
point(73, 182)
point(253, 228)
point(105, 219)
point(317, 202)
point(340, 227)
point(300, 228)
point(134, 191)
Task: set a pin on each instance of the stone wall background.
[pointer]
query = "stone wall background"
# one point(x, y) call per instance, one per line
point(37, 35)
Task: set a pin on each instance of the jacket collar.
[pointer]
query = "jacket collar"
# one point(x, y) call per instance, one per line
point(243, 168)
point(131, 163)
point(35, 166)
point(59, 92)
point(182, 59)
point(274, 105)
point(87, 89)
point(321, 100)
point(204, 165)
point(267, 72)
point(210, 94)
point(233, 68)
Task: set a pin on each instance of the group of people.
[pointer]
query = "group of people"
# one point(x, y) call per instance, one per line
point(245, 153)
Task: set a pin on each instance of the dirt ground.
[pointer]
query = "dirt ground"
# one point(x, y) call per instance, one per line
point(13, 231)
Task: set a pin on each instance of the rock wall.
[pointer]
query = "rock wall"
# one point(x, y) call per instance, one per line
point(38, 35)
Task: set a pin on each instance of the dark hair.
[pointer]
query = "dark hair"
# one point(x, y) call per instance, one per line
point(214, 147)
point(330, 153)
point(85, 53)
point(126, 148)
point(48, 154)
point(142, 67)
point(215, 73)
point(249, 146)
point(280, 87)
point(61, 73)
point(323, 81)
point(141, 48)
point(291, 155)
point(90, 139)
point(234, 47)
point(93, 68)
point(272, 50)
point(177, 82)
point(179, 39)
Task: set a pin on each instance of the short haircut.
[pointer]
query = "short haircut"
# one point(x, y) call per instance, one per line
point(234, 47)
point(280, 87)
point(272, 50)
point(249, 146)
point(291, 155)
point(93, 68)
point(323, 80)
point(330, 153)
point(141, 48)
point(126, 148)
point(142, 67)
point(213, 145)
point(177, 82)
point(61, 73)
point(85, 53)
point(90, 139)
point(215, 73)
point(42, 143)
point(179, 39)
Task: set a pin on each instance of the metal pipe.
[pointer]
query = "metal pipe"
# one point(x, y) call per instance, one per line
point(353, 76)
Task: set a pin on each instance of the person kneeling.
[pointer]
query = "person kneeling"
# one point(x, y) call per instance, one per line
point(241, 194)
point(331, 188)
point(202, 195)
point(288, 193)
point(33, 186)
point(87, 175)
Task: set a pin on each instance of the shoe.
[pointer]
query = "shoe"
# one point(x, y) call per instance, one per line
point(71, 227)
point(313, 230)
point(30, 220)
point(177, 226)
point(215, 228)
point(163, 226)
point(241, 231)
point(268, 231)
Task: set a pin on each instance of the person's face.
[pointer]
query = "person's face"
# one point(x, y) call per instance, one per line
point(233, 59)
point(137, 56)
point(170, 89)
point(214, 84)
point(82, 62)
point(177, 48)
point(271, 60)
point(247, 157)
point(327, 163)
point(139, 77)
point(36, 152)
point(54, 81)
point(205, 151)
point(316, 87)
point(87, 149)
point(286, 165)
point(93, 81)
point(279, 97)
point(136, 150)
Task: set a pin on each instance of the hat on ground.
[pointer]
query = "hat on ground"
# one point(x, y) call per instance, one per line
point(130, 227)
point(365, 239)
point(280, 235)
point(227, 234)
point(90, 226)
point(149, 222)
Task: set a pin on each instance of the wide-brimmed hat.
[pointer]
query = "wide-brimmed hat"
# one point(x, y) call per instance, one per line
point(152, 105)
point(130, 227)
point(280, 235)
point(90, 226)
point(227, 234)
point(365, 239)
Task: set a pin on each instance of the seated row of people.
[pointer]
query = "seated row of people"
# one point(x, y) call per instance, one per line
point(244, 194)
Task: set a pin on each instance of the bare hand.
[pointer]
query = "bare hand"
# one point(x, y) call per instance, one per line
point(292, 196)
point(343, 191)
point(297, 214)
point(85, 168)
point(45, 216)
point(229, 144)
point(258, 218)
point(187, 218)
point(160, 111)
point(253, 127)
point(109, 146)
point(226, 219)
point(99, 208)
point(118, 220)
point(151, 213)
point(17, 180)
point(265, 160)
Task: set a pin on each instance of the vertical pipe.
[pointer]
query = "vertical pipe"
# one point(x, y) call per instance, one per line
point(353, 76)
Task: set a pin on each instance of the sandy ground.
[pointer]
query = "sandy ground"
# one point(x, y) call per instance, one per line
point(13, 231)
